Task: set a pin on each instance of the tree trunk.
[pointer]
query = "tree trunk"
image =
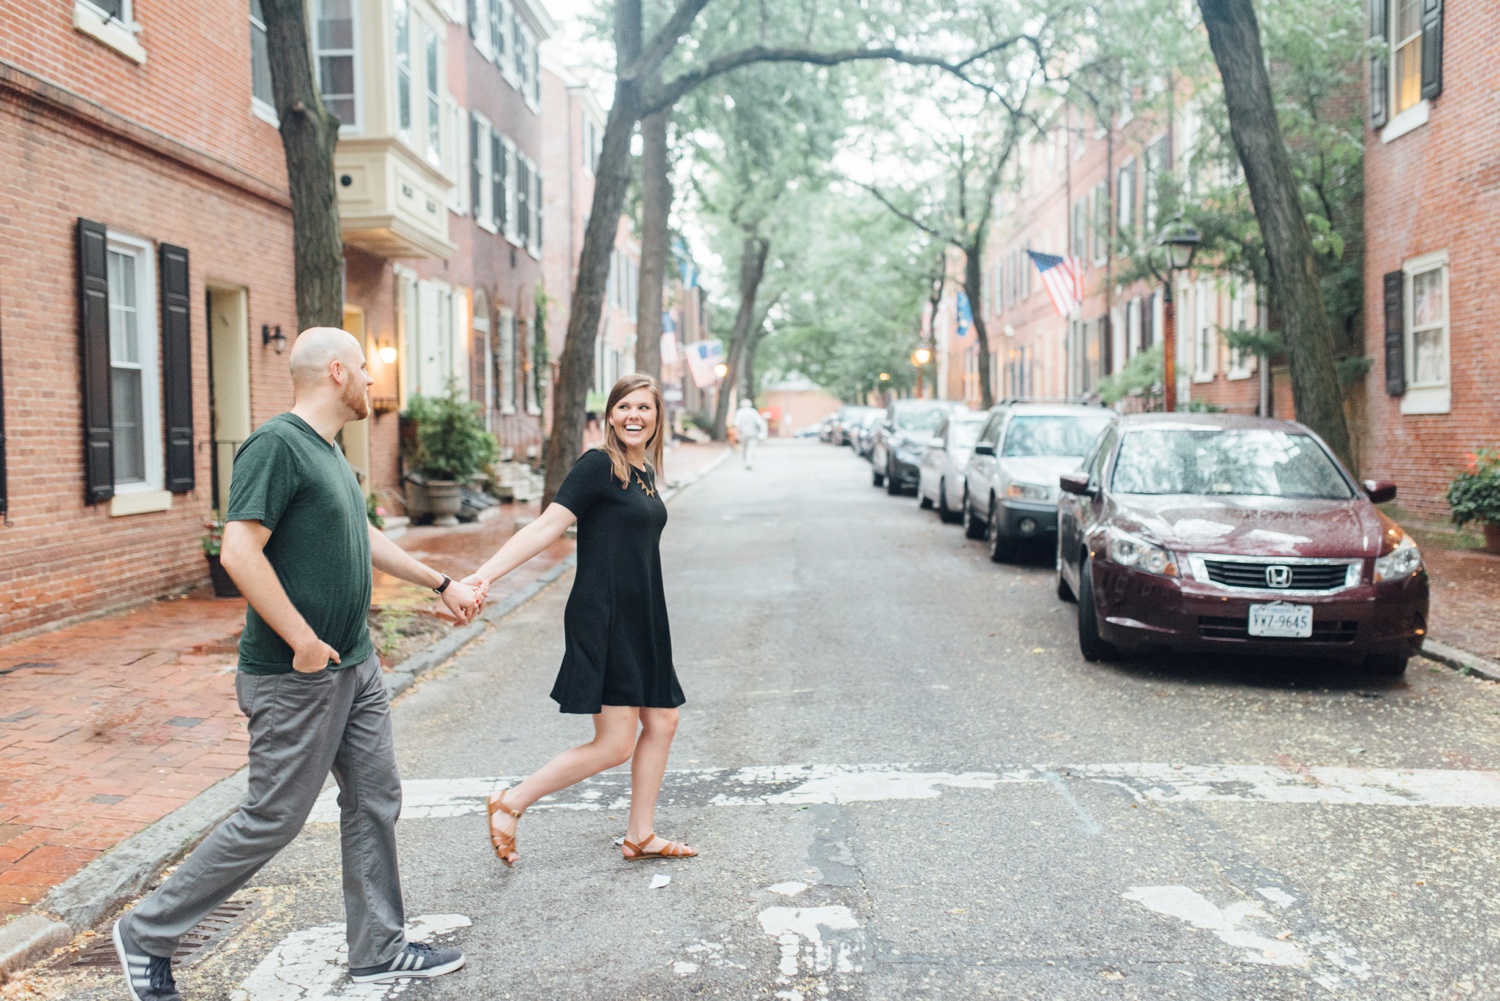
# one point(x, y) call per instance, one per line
point(656, 205)
point(752, 270)
point(309, 133)
point(1234, 34)
point(575, 371)
point(974, 289)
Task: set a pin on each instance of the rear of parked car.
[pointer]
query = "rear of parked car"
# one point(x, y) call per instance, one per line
point(1235, 535)
point(898, 440)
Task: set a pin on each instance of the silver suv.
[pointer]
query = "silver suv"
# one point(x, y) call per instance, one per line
point(1010, 483)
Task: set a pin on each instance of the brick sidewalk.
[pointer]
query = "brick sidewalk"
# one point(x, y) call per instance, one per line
point(1465, 593)
point(109, 725)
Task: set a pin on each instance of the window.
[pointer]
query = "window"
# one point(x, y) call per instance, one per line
point(333, 50)
point(505, 363)
point(434, 97)
point(1426, 307)
point(481, 171)
point(1134, 344)
point(592, 137)
point(1125, 198)
point(261, 94)
point(1406, 50)
point(1205, 362)
point(134, 373)
point(1241, 311)
point(508, 169)
point(519, 39)
point(499, 20)
point(1078, 245)
point(523, 201)
point(111, 22)
point(479, 26)
point(483, 351)
point(500, 185)
point(1157, 169)
point(402, 15)
point(535, 246)
point(454, 158)
point(1100, 219)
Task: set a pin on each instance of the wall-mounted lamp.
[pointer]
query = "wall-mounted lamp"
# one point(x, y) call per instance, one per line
point(387, 353)
point(277, 338)
point(721, 370)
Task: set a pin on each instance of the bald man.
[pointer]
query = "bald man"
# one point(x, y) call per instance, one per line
point(299, 545)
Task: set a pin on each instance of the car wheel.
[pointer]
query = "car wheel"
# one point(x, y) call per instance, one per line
point(973, 527)
point(1002, 546)
point(946, 513)
point(1063, 590)
point(1090, 645)
point(892, 483)
point(1385, 667)
point(923, 501)
point(877, 477)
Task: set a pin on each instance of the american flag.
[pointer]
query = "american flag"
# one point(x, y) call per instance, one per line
point(702, 356)
point(1063, 277)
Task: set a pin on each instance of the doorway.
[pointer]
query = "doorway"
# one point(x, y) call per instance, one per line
point(228, 384)
point(356, 434)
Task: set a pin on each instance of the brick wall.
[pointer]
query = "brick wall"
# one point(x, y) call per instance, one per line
point(1437, 188)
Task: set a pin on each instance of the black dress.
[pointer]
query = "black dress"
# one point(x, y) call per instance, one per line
point(619, 648)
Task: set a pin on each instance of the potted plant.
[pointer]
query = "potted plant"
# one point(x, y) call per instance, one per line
point(450, 447)
point(1474, 495)
point(213, 544)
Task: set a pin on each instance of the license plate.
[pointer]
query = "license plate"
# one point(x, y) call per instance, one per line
point(1281, 619)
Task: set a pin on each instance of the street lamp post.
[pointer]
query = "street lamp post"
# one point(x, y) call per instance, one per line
point(1179, 243)
point(919, 358)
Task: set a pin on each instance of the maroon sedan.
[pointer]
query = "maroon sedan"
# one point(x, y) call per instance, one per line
point(1239, 535)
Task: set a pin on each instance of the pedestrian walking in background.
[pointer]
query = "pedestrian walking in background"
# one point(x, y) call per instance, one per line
point(299, 546)
point(618, 663)
point(752, 428)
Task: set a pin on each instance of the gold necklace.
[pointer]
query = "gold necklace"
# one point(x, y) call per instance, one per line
point(642, 481)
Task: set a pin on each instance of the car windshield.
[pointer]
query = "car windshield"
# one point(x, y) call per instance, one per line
point(920, 420)
point(1053, 435)
point(1254, 461)
point(963, 434)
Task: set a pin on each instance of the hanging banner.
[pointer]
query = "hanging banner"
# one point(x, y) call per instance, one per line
point(702, 356)
point(965, 313)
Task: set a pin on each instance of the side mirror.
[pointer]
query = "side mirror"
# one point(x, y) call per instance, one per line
point(985, 448)
point(1380, 491)
point(1075, 483)
point(934, 443)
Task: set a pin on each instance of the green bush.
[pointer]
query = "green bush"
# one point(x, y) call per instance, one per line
point(1474, 494)
point(451, 442)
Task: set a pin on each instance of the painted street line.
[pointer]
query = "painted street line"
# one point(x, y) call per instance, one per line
point(310, 965)
point(1247, 927)
point(772, 785)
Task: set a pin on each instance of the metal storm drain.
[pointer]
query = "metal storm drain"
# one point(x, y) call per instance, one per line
point(219, 923)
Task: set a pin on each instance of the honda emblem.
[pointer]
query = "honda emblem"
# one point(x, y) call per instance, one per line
point(1278, 576)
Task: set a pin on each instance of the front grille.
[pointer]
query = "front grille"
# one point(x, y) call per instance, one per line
point(1222, 627)
point(1304, 576)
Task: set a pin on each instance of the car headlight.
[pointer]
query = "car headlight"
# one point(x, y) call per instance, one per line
point(1399, 563)
point(1028, 491)
point(1130, 551)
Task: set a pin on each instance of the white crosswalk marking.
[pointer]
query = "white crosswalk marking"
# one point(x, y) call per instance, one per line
point(310, 964)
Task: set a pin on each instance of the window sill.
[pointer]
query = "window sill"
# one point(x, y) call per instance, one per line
point(534, 411)
point(1201, 377)
point(1427, 400)
point(260, 109)
point(1412, 118)
point(507, 411)
point(140, 502)
point(1236, 375)
point(118, 36)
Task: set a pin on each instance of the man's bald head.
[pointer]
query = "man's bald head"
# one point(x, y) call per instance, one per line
point(316, 348)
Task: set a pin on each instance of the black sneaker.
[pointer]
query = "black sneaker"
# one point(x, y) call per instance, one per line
point(147, 977)
point(418, 959)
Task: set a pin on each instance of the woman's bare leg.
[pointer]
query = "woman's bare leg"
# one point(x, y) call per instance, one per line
point(613, 743)
point(647, 769)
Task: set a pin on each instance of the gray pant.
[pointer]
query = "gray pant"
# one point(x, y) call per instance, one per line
point(301, 727)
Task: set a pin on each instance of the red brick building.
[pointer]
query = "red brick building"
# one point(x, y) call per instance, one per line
point(1432, 250)
point(148, 249)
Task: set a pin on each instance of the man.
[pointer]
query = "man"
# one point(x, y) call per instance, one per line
point(751, 428)
point(299, 545)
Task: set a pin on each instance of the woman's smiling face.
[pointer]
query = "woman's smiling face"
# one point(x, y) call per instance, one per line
point(634, 419)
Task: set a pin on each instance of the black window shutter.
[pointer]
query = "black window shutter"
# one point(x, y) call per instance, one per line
point(177, 367)
point(523, 201)
point(476, 179)
point(1432, 48)
point(536, 208)
point(497, 180)
point(1380, 74)
point(473, 12)
point(93, 336)
point(1395, 333)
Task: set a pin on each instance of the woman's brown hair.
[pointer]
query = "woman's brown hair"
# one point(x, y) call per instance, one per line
point(613, 447)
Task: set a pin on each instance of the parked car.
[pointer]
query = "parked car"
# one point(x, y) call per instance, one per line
point(898, 439)
point(863, 430)
point(848, 418)
point(1231, 534)
point(940, 475)
point(1010, 484)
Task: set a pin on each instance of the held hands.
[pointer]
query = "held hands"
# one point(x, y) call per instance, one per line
point(463, 600)
point(313, 655)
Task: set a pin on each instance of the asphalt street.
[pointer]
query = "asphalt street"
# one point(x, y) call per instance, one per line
point(906, 783)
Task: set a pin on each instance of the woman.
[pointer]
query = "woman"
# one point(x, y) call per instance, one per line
point(618, 664)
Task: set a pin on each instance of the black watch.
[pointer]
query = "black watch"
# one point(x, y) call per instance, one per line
point(444, 585)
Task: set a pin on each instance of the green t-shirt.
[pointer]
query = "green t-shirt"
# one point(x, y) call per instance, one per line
point(298, 484)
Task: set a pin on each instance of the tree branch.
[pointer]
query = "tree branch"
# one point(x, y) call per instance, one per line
point(905, 216)
point(661, 45)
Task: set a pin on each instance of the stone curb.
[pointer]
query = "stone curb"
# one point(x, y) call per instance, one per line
point(126, 870)
point(1461, 661)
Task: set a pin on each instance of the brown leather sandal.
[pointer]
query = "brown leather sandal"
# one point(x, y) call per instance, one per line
point(504, 844)
point(672, 850)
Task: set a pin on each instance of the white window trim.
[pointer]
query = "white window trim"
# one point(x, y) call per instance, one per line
point(534, 196)
point(1435, 398)
point(508, 328)
point(503, 58)
point(355, 127)
point(150, 348)
point(119, 35)
point(432, 75)
point(259, 108)
point(486, 193)
point(512, 227)
point(1409, 120)
point(456, 164)
point(1202, 322)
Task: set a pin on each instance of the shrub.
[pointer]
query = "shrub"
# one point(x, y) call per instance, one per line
point(1474, 494)
point(451, 442)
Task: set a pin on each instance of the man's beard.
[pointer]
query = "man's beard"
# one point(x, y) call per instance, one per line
point(357, 399)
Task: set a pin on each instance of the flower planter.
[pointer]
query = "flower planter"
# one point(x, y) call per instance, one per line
point(1492, 538)
point(445, 501)
point(223, 583)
